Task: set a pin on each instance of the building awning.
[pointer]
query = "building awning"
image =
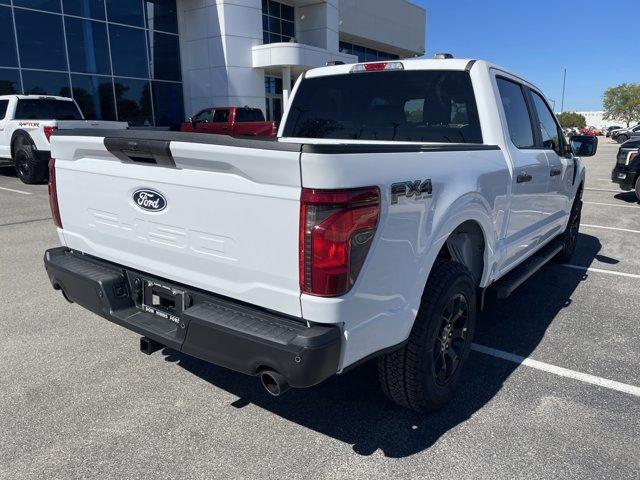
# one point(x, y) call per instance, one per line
point(300, 57)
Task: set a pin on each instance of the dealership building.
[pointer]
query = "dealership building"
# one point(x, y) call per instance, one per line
point(153, 62)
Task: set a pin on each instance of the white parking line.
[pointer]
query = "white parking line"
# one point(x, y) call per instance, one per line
point(562, 372)
point(604, 190)
point(15, 191)
point(613, 205)
point(600, 270)
point(609, 228)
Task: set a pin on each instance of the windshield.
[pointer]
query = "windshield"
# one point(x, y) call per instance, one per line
point(47, 109)
point(410, 106)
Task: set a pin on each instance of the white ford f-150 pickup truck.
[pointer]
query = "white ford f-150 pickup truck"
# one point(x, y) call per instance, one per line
point(396, 196)
point(26, 125)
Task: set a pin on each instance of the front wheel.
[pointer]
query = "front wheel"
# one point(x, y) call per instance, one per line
point(622, 138)
point(569, 237)
point(638, 188)
point(424, 374)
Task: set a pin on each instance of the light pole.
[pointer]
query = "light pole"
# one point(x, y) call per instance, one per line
point(564, 81)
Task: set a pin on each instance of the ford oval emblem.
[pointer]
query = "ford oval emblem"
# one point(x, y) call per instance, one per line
point(149, 200)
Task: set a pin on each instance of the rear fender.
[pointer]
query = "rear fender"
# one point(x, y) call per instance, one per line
point(24, 134)
point(468, 208)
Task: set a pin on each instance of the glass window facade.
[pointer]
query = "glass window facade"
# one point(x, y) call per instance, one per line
point(128, 12)
point(128, 51)
point(119, 59)
point(50, 5)
point(365, 54)
point(273, 94)
point(8, 55)
point(88, 46)
point(37, 82)
point(9, 81)
point(40, 40)
point(278, 22)
point(85, 8)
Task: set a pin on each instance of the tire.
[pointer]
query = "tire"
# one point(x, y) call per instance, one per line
point(569, 237)
point(638, 188)
point(28, 168)
point(622, 138)
point(424, 374)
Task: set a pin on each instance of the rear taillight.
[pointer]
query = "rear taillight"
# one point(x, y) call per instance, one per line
point(48, 131)
point(336, 231)
point(53, 194)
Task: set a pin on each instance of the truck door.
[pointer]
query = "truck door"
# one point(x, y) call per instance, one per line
point(200, 122)
point(221, 122)
point(529, 208)
point(561, 166)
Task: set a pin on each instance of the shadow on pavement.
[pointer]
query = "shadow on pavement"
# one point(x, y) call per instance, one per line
point(351, 408)
point(628, 197)
point(9, 171)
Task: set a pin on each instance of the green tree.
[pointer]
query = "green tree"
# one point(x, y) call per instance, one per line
point(622, 103)
point(572, 119)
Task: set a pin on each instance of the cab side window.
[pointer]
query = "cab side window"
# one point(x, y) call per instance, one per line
point(249, 115)
point(204, 117)
point(3, 108)
point(516, 113)
point(550, 132)
point(221, 116)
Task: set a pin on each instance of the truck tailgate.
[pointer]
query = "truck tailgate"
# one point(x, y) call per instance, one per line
point(226, 221)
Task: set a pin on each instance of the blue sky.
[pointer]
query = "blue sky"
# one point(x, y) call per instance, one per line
point(596, 41)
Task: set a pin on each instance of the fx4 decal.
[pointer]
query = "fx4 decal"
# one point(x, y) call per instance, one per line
point(416, 189)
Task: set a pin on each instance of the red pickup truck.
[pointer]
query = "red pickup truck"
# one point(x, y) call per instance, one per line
point(235, 121)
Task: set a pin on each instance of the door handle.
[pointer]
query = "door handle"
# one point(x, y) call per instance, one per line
point(524, 177)
point(555, 172)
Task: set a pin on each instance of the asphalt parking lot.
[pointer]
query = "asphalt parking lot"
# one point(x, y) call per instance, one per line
point(79, 400)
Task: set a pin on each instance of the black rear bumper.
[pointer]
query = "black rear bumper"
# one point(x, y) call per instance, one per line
point(624, 176)
point(215, 329)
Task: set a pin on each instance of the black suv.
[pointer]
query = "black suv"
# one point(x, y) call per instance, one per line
point(627, 170)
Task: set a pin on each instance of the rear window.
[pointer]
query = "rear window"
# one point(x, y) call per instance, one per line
point(47, 109)
point(411, 106)
point(249, 115)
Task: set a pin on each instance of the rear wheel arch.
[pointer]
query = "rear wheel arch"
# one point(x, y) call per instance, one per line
point(466, 244)
point(21, 135)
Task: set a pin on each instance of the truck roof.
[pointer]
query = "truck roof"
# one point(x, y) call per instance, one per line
point(459, 64)
point(35, 97)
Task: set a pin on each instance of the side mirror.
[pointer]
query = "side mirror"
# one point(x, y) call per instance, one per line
point(584, 145)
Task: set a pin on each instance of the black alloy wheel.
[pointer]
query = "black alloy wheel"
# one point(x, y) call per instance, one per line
point(450, 340)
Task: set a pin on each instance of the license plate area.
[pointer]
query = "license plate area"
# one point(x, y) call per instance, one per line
point(163, 301)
